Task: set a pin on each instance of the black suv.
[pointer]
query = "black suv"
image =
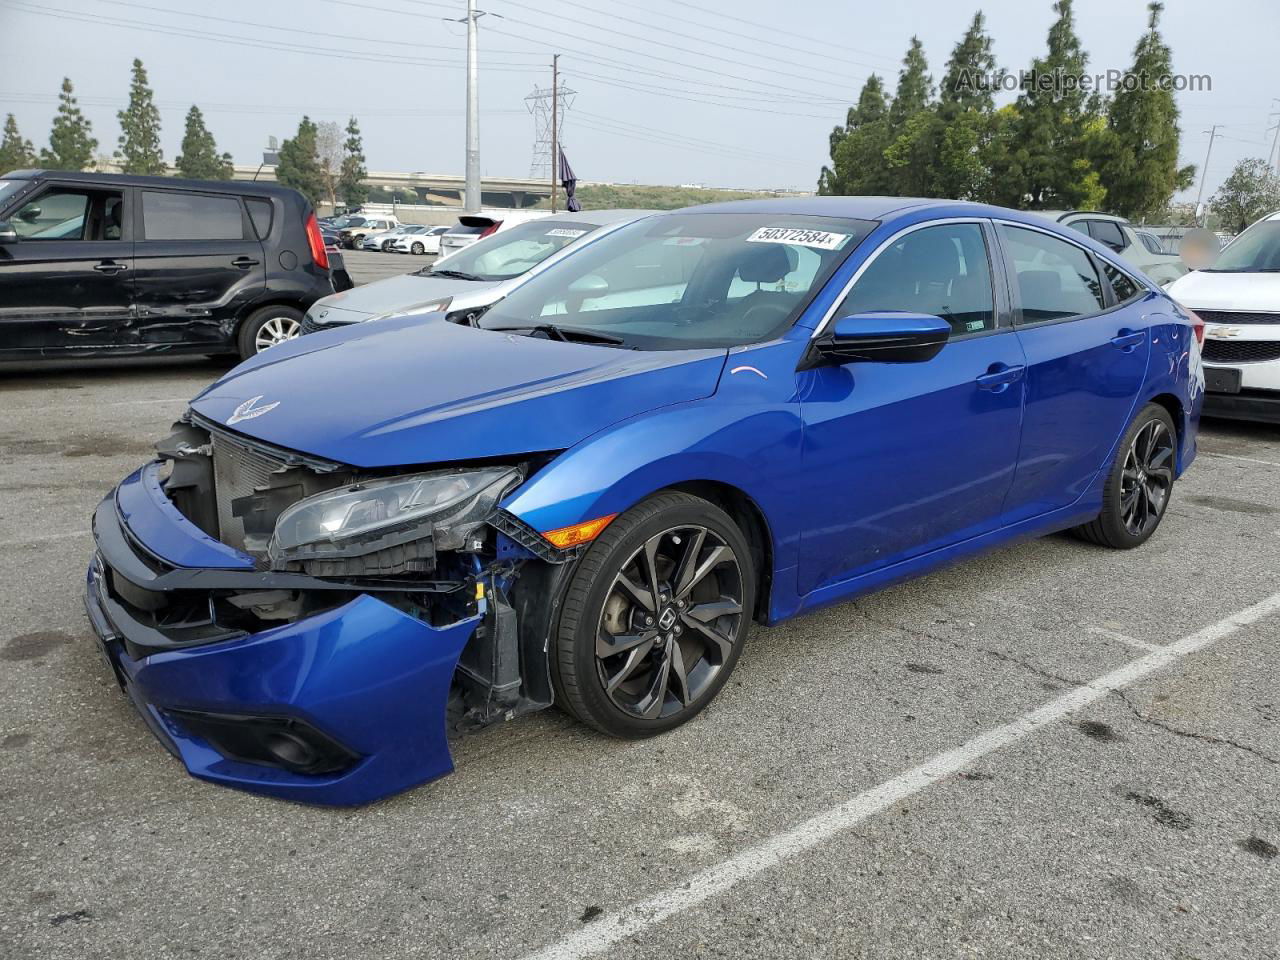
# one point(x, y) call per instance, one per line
point(103, 264)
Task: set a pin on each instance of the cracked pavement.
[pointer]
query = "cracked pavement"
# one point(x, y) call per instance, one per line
point(1145, 825)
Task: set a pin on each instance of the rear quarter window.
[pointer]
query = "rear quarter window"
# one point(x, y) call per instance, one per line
point(260, 212)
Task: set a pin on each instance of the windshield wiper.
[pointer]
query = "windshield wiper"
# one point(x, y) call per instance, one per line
point(455, 274)
point(565, 334)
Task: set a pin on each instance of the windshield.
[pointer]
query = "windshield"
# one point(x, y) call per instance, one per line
point(9, 187)
point(1257, 250)
point(353, 221)
point(513, 252)
point(686, 280)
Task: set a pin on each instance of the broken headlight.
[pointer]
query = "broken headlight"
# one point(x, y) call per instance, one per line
point(374, 515)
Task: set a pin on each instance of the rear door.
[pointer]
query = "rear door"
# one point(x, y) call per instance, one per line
point(199, 264)
point(66, 285)
point(1086, 350)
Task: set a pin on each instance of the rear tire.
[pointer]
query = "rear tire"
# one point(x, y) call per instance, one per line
point(266, 328)
point(670, 586)
point(1139, 485)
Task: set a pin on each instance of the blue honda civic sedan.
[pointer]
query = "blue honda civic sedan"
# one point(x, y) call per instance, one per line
point(363, 542)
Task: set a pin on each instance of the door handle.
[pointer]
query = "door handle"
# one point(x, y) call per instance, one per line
point(998, 378)
point(110, 267)
point(244, 263)
point(1127, 339)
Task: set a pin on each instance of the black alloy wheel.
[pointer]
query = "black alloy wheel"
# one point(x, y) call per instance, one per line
point(1139, 485)
point(655, 617)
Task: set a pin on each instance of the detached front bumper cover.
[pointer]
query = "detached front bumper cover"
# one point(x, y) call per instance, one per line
point(363, 685)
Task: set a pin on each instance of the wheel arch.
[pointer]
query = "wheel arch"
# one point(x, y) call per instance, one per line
point(1177, 413)
point(746, 513)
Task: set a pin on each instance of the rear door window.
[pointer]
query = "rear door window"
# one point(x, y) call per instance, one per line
point(1055, 279)
point(169, 215)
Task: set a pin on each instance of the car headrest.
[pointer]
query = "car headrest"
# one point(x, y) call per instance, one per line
point(1040, 287)
point(767, 263)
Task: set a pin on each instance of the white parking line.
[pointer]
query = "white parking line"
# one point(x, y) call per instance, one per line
point(1123, 638)
point(610, 929)
point(1230, 456)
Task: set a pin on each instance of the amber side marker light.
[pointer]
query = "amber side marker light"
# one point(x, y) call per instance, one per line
point(577, 534)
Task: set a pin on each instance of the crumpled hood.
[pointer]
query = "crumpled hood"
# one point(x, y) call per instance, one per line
point(402, 392)
point(393, 295)
point(1205, 290)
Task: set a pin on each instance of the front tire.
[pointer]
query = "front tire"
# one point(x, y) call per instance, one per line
point(1140, 483)
point(655, 617)
point(418, 249)
point(267, 328)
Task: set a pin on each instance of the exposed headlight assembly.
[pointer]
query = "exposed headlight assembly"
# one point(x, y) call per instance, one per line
point(376, 515)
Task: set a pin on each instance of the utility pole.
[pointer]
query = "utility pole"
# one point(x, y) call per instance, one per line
point(1213, 134)
point(472, 198)
point(555, 133)
point(1275, 144)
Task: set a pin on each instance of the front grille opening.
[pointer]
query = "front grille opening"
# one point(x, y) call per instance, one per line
point(1240, 351)
point(1239, 317)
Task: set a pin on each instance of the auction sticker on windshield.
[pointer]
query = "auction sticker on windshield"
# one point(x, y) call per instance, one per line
point(798, 236)
point(566, 232)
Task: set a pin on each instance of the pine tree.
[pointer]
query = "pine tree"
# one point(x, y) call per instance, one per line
point(872, 108)
point(199, 159)
point(299, 165)
point(915, 86)
point(858, 164)
point(1056, 121)
point(140, 128)
point(351, 187)
point(1138, 154)
point(71, 145)
point(909, 157)
point(966, 121)
point(15, 152)
point(966, 84)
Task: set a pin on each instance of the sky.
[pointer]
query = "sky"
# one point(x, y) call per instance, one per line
point(716, 92)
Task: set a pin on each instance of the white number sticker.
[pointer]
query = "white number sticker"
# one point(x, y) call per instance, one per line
point(566, 232)
point(797, 236)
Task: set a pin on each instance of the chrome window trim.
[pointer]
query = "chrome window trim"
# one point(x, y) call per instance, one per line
point(875, 255)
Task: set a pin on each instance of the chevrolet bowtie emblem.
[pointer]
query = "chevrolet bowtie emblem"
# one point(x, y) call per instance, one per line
point(1221, 333)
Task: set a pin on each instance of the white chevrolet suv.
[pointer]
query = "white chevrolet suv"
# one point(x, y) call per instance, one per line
point(1238, 297)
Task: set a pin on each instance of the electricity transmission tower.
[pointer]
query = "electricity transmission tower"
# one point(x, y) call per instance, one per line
point(545, 105)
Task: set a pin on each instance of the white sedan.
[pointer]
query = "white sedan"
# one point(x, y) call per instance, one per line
point(385, 239)
point(425, 240)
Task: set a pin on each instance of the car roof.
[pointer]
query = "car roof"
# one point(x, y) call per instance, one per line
point(1058, 216)
point(242, 187)
point(857, 208)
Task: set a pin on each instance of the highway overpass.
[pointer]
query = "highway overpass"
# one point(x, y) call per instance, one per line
point(436, 188)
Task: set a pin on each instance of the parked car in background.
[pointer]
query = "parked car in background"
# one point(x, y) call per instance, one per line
point(384, 239)
point(1152, 243)
point(106, 264)
point(701, 419)
point(356, 228)
point(1119, 235)
point(1238, 298)
point(471, 280)
point(420, 243)
point(473, 227)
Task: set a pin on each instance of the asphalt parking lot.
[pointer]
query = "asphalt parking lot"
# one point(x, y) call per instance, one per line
point(367, 266)
point(1052, 751)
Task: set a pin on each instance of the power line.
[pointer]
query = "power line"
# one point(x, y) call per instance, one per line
point(599, 126)
point(646, 130)
point(705, 43)
point(336, 54)
point(259, 109)
point(654, 91)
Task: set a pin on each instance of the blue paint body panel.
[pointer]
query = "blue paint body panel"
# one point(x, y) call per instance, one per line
point(862, 474)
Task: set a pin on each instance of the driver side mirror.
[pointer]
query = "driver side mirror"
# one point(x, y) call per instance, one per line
point(7, 233)
point(883, 337)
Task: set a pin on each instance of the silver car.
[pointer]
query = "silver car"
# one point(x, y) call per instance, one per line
point(471, 279)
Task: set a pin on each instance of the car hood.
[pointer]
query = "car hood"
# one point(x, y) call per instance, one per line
point(395, 294)
point(1202, 290)
point(401, 392)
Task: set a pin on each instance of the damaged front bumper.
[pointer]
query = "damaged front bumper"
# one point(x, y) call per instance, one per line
point(343, 705)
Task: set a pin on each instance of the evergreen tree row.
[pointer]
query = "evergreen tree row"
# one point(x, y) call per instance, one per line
point(1056, 147)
